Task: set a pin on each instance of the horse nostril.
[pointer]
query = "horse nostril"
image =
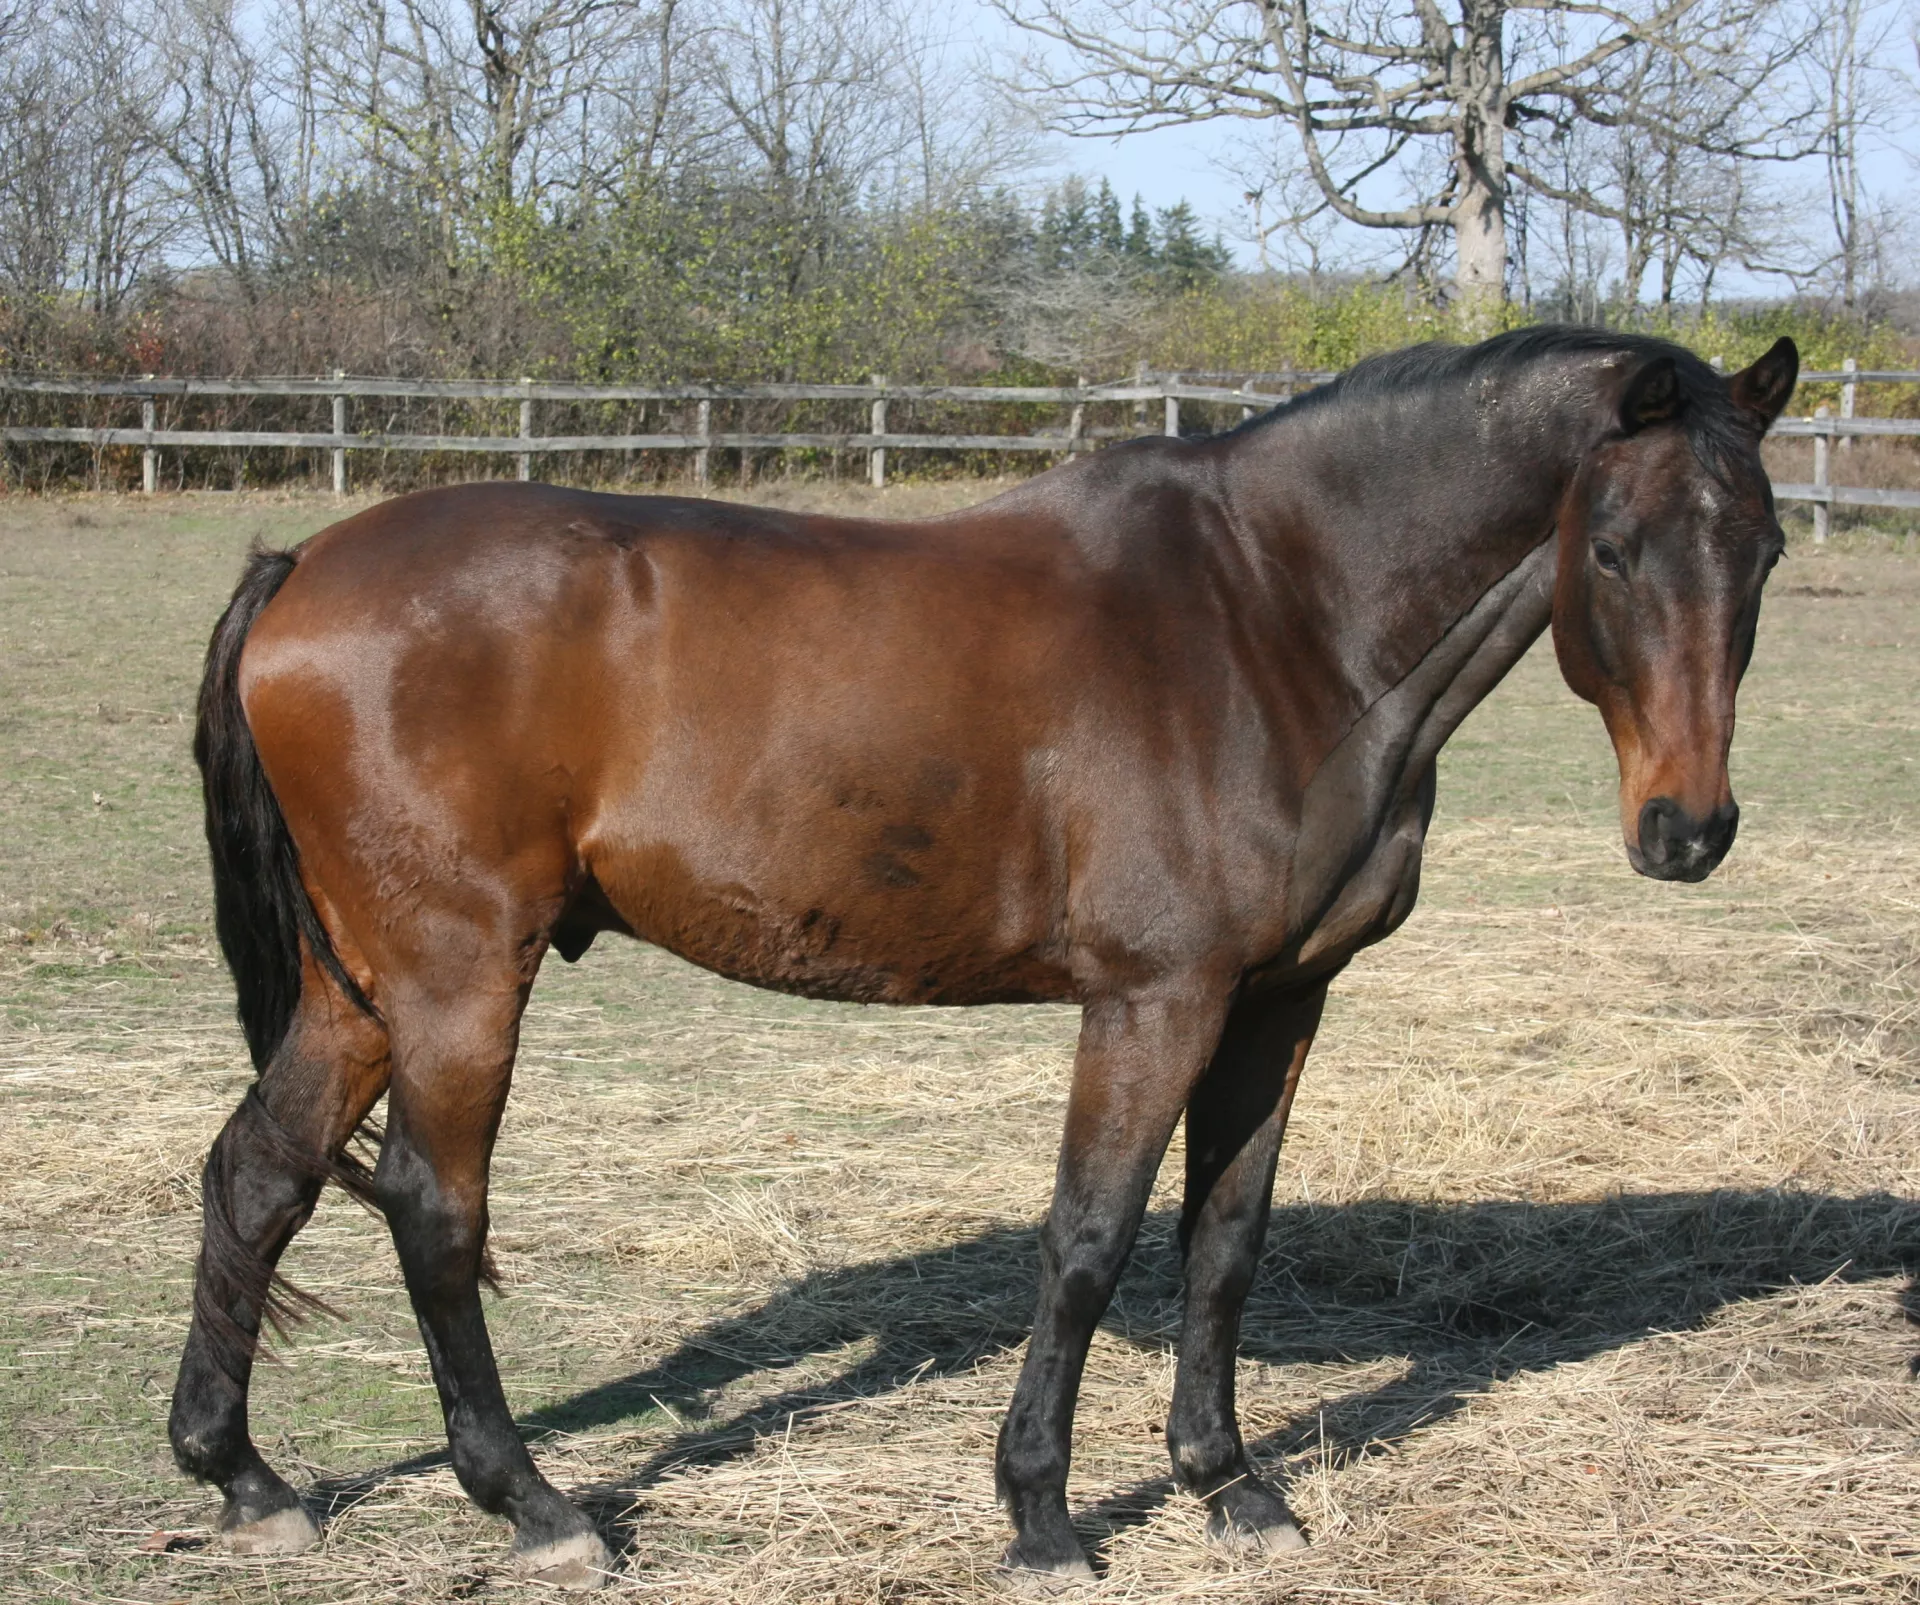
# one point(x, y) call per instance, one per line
point(1722, 826)
point(1661, 822)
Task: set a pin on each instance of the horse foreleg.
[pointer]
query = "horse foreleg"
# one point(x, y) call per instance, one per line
point(261, 1181)
point(452, 1067)
point(1235, 1121)
point(1138, 1059)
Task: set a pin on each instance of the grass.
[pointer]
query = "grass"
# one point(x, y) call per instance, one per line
point(1592, 1255)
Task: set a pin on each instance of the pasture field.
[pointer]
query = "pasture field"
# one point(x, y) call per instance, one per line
point(1592, 1266)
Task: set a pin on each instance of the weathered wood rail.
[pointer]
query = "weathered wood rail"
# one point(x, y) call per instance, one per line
point(1245, 392)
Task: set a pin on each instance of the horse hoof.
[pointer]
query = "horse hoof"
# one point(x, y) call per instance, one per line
point(579, 1562)
point(1270, 1538)
point(1042, 1582)
point(285, 1532)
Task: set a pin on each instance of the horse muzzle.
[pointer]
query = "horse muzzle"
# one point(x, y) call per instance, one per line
point(1675, 846)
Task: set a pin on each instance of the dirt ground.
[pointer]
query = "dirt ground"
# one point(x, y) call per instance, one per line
point(1591, 1270)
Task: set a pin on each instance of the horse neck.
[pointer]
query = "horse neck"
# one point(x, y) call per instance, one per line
point(1407, 541)
point(1381, 523)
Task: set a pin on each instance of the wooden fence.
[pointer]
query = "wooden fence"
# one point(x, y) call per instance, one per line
point(1149, 395)
point(1166, 393)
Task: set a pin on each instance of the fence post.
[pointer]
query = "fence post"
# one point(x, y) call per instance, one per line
point(1822, 494)
point(340, 434)
point(1173, 413)
point(1851, 367)
point(877, 457)
point(1077, 419)
point(149, 459)
point(1140, 402)
point(705, 431)
point(526, 430)
point(1246, 412)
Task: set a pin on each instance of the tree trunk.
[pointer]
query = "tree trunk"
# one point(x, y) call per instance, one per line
point(1480, 242)
point(1480, 215)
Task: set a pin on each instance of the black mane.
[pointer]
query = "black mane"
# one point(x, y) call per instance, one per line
point(1720, 435)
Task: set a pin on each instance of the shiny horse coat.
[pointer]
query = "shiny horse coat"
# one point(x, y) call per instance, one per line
point(1153, 733)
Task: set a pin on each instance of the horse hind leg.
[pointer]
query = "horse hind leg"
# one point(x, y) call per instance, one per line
point(453, 1061)
point(261, 1181)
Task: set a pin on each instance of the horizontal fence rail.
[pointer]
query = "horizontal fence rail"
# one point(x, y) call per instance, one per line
point(1246, 392)
point(561, 390)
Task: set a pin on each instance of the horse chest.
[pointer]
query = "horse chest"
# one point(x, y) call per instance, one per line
point(1333, 915)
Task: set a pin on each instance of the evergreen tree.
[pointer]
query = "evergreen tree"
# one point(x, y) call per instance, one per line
point(1068, 226)
point(1110, 235)
point(1184, 260)
point(1139, 243)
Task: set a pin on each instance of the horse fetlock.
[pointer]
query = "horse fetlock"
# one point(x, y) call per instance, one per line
point(205, 1452)
point(255, 1492)
point(1206, 1457)
point(1045, 1551)
point(1029, 1477)
point(499, 1476)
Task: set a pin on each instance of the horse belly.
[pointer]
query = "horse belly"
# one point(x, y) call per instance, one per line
point(795, 923)
point(833, 862)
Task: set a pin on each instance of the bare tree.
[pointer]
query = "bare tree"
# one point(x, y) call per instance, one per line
point(820, 104)
point(1381, 95)
point(1849, 65)
point(482, 106)
point(237, 130)
point(42, 202)
point(81, 212)
point(1664, 160)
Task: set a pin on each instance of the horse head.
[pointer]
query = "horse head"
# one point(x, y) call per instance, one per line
point(1666, 536)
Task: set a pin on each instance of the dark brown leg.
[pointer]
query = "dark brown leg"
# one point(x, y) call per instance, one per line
point(1137, 1061)
point(1235, 1121)
point(258, 1189)
point(452, 1066)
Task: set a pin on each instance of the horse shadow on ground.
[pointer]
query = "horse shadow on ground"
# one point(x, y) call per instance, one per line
point(1463, 1295)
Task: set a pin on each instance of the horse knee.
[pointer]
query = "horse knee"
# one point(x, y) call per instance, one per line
point(1217, 1283)
point(1082, 1267)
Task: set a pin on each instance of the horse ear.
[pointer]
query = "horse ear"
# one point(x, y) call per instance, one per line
point(1652, 396)
point(1762, 390)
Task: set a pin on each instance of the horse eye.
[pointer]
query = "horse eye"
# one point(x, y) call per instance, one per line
point(1607, 555)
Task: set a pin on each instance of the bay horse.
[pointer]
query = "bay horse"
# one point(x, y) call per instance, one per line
point(1153, 733)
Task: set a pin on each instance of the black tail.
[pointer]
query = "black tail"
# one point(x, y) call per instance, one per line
point(262, 914)
point(260, 906)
